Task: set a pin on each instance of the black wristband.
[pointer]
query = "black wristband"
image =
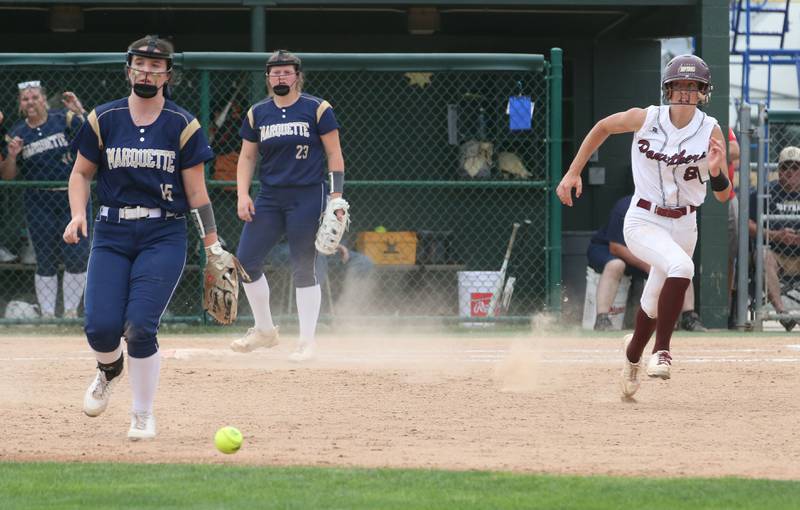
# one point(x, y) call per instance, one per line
point(204, 219)
point(337, 182)
point(719, 182)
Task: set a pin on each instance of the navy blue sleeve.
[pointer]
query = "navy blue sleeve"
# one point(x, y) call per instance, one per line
point(196, 149)
point(86, 143)
point(248, 132)
point(327, 122)
point(753, 204)
point(616, 221)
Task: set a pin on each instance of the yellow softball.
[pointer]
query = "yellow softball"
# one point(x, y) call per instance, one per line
point(228, 440)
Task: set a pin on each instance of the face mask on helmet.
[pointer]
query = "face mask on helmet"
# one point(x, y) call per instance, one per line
point(281, 89)
point(284, 58)
point(145, 90)
point(687, 68)
point(148, 90)
point(694, 94)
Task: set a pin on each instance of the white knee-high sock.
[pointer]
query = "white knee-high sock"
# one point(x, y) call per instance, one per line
point(46, 292)
point(108, 358)
point(72, 287)
point(308, 303)
point(143, 374)
point(258, 296)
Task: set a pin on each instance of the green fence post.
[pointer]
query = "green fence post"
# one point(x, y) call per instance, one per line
point(554, 259)
point(205, 107)
point(205, 122)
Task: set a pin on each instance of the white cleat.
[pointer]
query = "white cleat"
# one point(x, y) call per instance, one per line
point(659, 365)
point(143, 426)
point(629, 382)
point(255, 338)
point(98, 393)
point(304, 352)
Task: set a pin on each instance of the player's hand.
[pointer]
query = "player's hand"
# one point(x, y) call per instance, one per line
point(245, 208)
point(14, 146)
point(565, 187)
point(716, 156)
point(72, 103)
point(75, 229)
point(339, 212)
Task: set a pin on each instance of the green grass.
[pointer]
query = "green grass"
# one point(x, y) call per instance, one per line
point(105, 486)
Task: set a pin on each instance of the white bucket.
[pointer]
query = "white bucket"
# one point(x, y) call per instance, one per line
point(617, 312)
point(475, 289)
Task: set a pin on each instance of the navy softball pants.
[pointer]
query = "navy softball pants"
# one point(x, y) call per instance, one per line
point(294, 211)
point(134, 268)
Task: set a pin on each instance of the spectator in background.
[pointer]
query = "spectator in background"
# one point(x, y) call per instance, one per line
point(5, 255)
point(782, 255)
point(610, 257)
point(37, 149)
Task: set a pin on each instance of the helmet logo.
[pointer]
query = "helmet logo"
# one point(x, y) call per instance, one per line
point(686, 68)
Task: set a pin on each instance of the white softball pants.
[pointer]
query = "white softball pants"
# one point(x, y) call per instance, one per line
point(667, 244)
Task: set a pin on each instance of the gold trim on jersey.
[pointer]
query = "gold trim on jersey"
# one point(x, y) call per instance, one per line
point(92, 120)
point(250, 118)
point(324, 105)
point(188, 131)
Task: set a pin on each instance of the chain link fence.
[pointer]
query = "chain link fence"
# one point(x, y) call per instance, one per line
point(436, 176)
point(776, 204)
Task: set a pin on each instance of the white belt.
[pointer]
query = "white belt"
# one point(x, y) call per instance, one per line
point(136, 213)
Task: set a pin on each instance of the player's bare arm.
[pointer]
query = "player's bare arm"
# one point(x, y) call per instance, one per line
point(245, 167)
point(333, 152)
point(80, 179)
point(621, 122)
point(717, 165)
point(621, 251)
point(194, 184)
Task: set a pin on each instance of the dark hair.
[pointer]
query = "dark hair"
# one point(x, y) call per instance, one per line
point(153, 41)
point(165, 50)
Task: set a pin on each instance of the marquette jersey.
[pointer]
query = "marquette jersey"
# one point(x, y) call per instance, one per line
point(46, 154)
point(141, 165)
point(289, 141)
point(670, 167)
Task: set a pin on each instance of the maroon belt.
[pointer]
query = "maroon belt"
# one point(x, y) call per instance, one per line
point(666, 211)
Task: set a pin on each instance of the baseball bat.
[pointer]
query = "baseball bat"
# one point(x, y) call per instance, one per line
point(498, 290)
point(508, 291)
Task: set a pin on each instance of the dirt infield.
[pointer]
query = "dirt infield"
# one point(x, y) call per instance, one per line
point(516, 403)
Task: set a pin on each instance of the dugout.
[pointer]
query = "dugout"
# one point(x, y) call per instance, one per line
point(611, 60)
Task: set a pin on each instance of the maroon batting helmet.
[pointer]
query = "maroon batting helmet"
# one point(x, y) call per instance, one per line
point(688, 67)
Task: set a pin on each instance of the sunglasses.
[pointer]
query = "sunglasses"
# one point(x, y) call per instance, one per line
point(36, 84)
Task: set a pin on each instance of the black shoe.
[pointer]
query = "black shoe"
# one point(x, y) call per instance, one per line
point(690, 321)
point(788, 324)
point(603, 323)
